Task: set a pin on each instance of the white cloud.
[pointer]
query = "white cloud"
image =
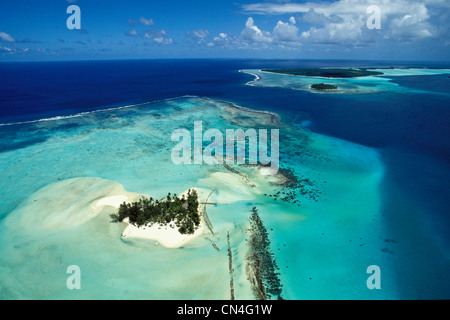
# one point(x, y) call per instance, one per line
point(201, 33)
point(12, 51)
point(151, 34)
point(339, 22)
point(146, 22)
point(284, 34)
point(413, 25)
point(285, 31)
point(158, 36)
point(5, 49)
point(440, 3)
point(6, 37)
point(316, 18)
point(344, 21)
point(225, 40)
point(163, 40)
point(198, 35)
point(252, 33)
point(336, 33)
point(274, 8)
point(132, 32)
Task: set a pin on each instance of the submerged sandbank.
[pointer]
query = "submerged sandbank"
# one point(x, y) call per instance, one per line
point(70, 203)
point(67, 204)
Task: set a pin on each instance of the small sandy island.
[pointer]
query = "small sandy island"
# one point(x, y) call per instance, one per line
point(166, 235)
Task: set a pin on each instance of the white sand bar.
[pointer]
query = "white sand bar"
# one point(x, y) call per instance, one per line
point(113, 201)
point(166, 235)
point(72, 202)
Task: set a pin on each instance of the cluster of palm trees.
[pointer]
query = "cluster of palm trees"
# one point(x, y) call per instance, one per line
point(183, 211)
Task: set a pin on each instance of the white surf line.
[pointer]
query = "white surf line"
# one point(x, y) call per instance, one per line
point(81, 114)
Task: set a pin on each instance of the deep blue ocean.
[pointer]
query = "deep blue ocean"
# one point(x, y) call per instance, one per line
point(36, 90)
point(410, 130)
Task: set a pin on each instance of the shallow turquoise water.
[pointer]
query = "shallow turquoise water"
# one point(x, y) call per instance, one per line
point(331, 238)
point(322, 247)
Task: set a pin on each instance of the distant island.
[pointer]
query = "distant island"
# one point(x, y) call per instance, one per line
point(323, 87)
point(326, 72)
point(181, 211)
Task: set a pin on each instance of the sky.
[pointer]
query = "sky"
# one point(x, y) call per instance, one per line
point(278, 29)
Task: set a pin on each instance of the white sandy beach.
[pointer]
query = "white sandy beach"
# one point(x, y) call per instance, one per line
point(113, 201)
point(257, 77)
point(167, 235)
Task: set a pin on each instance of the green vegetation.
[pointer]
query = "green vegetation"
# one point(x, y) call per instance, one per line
point(328, 73)
point(182, 211)
point(323, 86)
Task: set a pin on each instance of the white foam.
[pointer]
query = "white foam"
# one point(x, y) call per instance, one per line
point(81, 114)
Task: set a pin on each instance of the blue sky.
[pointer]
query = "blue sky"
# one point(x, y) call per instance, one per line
point(278, 29)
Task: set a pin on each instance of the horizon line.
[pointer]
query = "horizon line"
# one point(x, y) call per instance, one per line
point(224, 59)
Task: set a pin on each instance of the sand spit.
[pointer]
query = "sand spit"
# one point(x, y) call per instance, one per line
point(68, 203)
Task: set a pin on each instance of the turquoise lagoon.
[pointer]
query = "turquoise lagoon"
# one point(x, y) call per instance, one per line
point(323, 242)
